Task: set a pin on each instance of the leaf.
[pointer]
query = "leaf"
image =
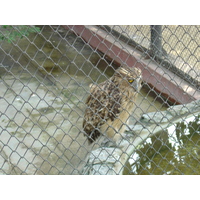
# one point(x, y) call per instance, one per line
point(18, 31)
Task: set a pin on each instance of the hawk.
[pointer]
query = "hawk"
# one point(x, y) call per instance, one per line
point(110, 104)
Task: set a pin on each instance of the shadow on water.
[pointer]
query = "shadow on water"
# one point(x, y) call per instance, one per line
point(175, 151)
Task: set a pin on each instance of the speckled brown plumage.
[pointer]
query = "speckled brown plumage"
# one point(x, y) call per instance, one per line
point(110, 104)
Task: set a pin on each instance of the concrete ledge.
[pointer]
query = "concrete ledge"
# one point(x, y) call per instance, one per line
point(172, 87)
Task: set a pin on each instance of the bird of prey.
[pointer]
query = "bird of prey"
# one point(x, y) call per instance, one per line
point(110, 104)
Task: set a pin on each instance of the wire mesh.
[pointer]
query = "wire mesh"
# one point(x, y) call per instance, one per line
point(45, 79)
point(180, 45)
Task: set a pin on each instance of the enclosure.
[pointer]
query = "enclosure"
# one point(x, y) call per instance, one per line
point(46, 74)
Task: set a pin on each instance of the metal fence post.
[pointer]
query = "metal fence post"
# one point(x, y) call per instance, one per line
point(156, 40)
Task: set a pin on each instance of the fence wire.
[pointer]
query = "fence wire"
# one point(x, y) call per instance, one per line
point(179, 46)
point(46, 74)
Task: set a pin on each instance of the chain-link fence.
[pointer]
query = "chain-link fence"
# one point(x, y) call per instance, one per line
point(48, 72)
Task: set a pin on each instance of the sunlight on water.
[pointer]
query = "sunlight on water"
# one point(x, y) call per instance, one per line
point(175, 151)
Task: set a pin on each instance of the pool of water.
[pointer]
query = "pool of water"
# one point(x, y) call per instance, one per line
point(173, 151)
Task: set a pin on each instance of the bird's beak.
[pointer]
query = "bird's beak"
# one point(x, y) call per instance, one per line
point(137, 84)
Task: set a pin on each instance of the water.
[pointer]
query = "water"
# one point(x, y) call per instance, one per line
point(173, 151)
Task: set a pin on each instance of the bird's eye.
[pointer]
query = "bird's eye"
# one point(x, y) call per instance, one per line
point(130, 81)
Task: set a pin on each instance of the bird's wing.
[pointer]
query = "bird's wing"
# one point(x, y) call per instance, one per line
point(102, 104)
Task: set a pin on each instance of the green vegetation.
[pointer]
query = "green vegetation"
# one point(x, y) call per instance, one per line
point(11, 33)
